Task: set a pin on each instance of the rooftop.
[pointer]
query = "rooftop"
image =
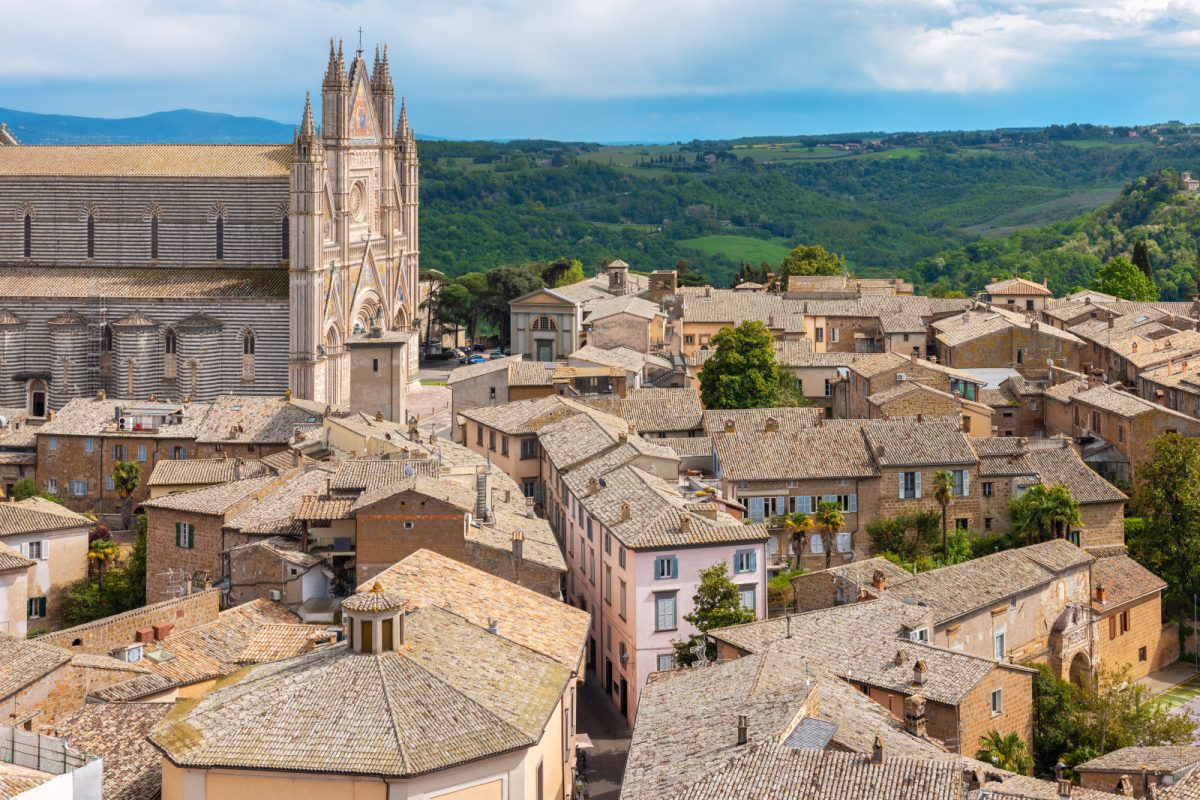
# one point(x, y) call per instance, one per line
point(82, 283)
point(182, 472)
point(909, 443)
point(117, 732)
point(251, 419)
point(149, 160)
point(23, 661)
point(216, 499)
point(621, 357)
point(656, 409)
point(1061, 466)
point(1123, 580)
point(1016, 285)
point(90, 417)
point(806, 454)
point(36, 514)
point(749, 420)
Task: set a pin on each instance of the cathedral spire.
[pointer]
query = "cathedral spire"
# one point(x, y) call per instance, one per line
point(403, 123)
point(307, 128)
point(341, 62)
point(385, 72)
point(331, 67)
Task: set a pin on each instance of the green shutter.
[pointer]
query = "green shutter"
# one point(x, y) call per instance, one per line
point(41, 606)
point(191, 535)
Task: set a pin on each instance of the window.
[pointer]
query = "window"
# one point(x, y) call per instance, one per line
point(621, 556)
point(89, 445)
point(91, 235)
point(816, 543)
point(607, 543)
point(285, 244)
point(79, 488)
point(154, 237)
point(374, 365)
point(987, 523)
point(745, 561)
point(1073, 537)
point(120, 452)
point(999, 650)
point(833, 335)
point(52, 444)
point(249, 343)
point(664, 611)
point(504, 445)
point(52, 486)
point(589, 528)
point(689, 339)
point(409, 525)
point(997, 701)
point(1120, 433)
point(962, 523)
point(666, 662)
point(666, 568)
point(544, 324)
point(35, 551)
point(621, 597)
point(592, 565)
point(748, 596)
point(28, 244)
point(109, 484)
point(185, 535)
point(962, 483)
point(529, 448)
point(608, 584)
point(35, 608)
point(178, 453)
point(479, 435)
point(1141, 654)
point(220, 238)
point(828, 388)
point(1125, 621)
point(987, 488)
point(844, 542)
point(529, 487)
point(910, 485)
point(492, 441)
point(820, 332)
point(1020, 355)
point(141, 452)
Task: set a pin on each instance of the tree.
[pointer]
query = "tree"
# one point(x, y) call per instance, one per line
point(686, 276)
point(809, 259)
point(126, 476)
point(794, 523)
point(1141, 259)
point(716, 604)
point(563, 272)
point(742, 373)
point(829, 518)
point(943, 493)
point(909, 536)
point(135, 566)
point(1166, 495)
point(26, 488)
point(1120, 278)
point(1041, 510)
point(1005, 751)
point(100, 553)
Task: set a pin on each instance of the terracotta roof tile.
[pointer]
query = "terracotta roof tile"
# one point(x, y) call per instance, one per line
point(177, 472)
point(149, 160)
point(117, 732)
point(1123, 580)
point(11, 559)
point(23, 661)
point(80, 283)
point(35, 514)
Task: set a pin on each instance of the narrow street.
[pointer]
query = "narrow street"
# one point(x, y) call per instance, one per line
point(606, 761)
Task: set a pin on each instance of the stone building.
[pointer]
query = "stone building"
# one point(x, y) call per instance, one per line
point(993, 337)
point(55, 539)
point(14, 591)
point(1019, 294)
point(195, 270)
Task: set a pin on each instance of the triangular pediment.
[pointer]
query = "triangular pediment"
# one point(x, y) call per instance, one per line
point(543, 297)
point(362, 108)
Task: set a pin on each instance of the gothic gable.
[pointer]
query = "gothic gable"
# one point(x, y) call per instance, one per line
point(362, 112)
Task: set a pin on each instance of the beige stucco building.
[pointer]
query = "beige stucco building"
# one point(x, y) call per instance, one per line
point(56, 540)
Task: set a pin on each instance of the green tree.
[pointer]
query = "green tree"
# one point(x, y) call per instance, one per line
point(1119, 712)
point(795, 524)
point(100, 553)
point(809, 259)
point(456, 307)
point(742, 372)
point(26, 488)
point(1039, 512)
point(909, 536)
point(1141, 259)
point(1007, 751)
point(716, 604)
point(829, 518)
point(1120, 278)
point(958, 549)
point(563, 272)
point(1166, 495)
point(126, 476)
point(135, 566)
point(1055, 719)
point(943, 493)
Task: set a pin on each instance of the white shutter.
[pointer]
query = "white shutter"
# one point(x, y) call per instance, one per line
point(21, 548)
point(966, 484)
point(854, 503)
point(45, 549)
point(901, 495)
point(918, 474)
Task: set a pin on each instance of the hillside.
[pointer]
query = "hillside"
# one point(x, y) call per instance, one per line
point(183, 126)
point(1154, 209)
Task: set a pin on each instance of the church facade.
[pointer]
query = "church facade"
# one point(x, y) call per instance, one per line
point(188, 271)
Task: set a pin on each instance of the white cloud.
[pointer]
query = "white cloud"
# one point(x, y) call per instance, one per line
point(592, 48)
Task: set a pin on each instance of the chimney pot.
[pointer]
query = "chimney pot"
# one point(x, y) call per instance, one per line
point(685, 524)
point(593, 486)
point(919, 669)
point(877, 749)
point(518, 545)
point(743, 729)
point(879, 580)
point(626, 511)
point(730, 427)
point(1101, 593)
point(493, 626)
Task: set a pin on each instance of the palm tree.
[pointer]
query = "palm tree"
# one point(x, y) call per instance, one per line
point(796, 523)
point(943, 492)
point(1007, 752)
point(126, 477)
point(1037, 512)
point(101, 552)
point(829, 518)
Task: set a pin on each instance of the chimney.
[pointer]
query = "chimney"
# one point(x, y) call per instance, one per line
point(879, 580)
point(914, 715)
point(101, 394)
point(772, 425)
point(879, 451)
point(900, 658)
point(1033, 324)
point(237, 469)
point(1125, 786)
point(626, 511)
point(730, 427)
point(593, 486)
point(1101, 593)
point(287, 395)
point(379, 416)
point(1133, 346)
point(743, 729)
point(864, 595)
point(622, 438)
point(919, 672)
point(920, 417)
point(685, 524)
point(518, 546)
point(913, 356)
point(1112, 322)
point(877, 749)
point(493, 627)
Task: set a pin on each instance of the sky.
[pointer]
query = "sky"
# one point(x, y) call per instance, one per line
point(623, 70)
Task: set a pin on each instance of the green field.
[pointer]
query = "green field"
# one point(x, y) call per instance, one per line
point(1053, 210)
point(739, 248)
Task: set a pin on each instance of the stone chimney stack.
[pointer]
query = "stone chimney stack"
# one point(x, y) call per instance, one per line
point(919, 670)
point(518, 546)
point(914, 715)
point(685, 524)
point(879, 580)
point(1101, 594)
point(626, 512)
point(877, 749)
point(593, 486)
point(743, 729)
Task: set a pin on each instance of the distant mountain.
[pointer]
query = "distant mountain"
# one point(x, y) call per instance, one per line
point(183, 126)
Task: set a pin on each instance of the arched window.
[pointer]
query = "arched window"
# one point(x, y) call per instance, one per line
point(28, 250)
point(285, 246)
point(169, 363)
point(169, 342)
point(248, 344)
point(91, 235)
point(544, 324)
point(154, 237)
point(220, 238)
point(106, 339)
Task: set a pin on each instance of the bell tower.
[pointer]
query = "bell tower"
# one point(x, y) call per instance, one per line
point(305, 289)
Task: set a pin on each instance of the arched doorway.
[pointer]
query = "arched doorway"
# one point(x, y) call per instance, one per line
point(37, 398)
point(1081, 670)
point(333, 366)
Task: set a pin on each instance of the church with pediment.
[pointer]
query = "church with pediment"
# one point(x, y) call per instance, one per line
point(188, 271)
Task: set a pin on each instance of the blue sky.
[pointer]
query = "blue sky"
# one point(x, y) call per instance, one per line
point(614, 70)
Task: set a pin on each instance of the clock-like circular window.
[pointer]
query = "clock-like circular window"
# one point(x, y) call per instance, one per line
point(358, 205)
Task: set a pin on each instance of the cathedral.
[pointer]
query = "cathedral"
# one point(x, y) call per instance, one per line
point(188, 271)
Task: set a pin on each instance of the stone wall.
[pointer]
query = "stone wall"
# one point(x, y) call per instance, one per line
point(71, 461)
point(59, 692)
point(814, 590)
point(398, 526)
point(1138, 647)
point(622, 330)
point(891, 504)
point(975, 717)
point(105, 635)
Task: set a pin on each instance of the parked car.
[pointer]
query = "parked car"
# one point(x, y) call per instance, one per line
point(479, 348)
point(472, 359)
point(496, 354)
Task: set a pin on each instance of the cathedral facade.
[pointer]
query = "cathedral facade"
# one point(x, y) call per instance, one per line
point(188, 271)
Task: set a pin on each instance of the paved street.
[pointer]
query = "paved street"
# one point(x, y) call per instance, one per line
point(606, 761)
